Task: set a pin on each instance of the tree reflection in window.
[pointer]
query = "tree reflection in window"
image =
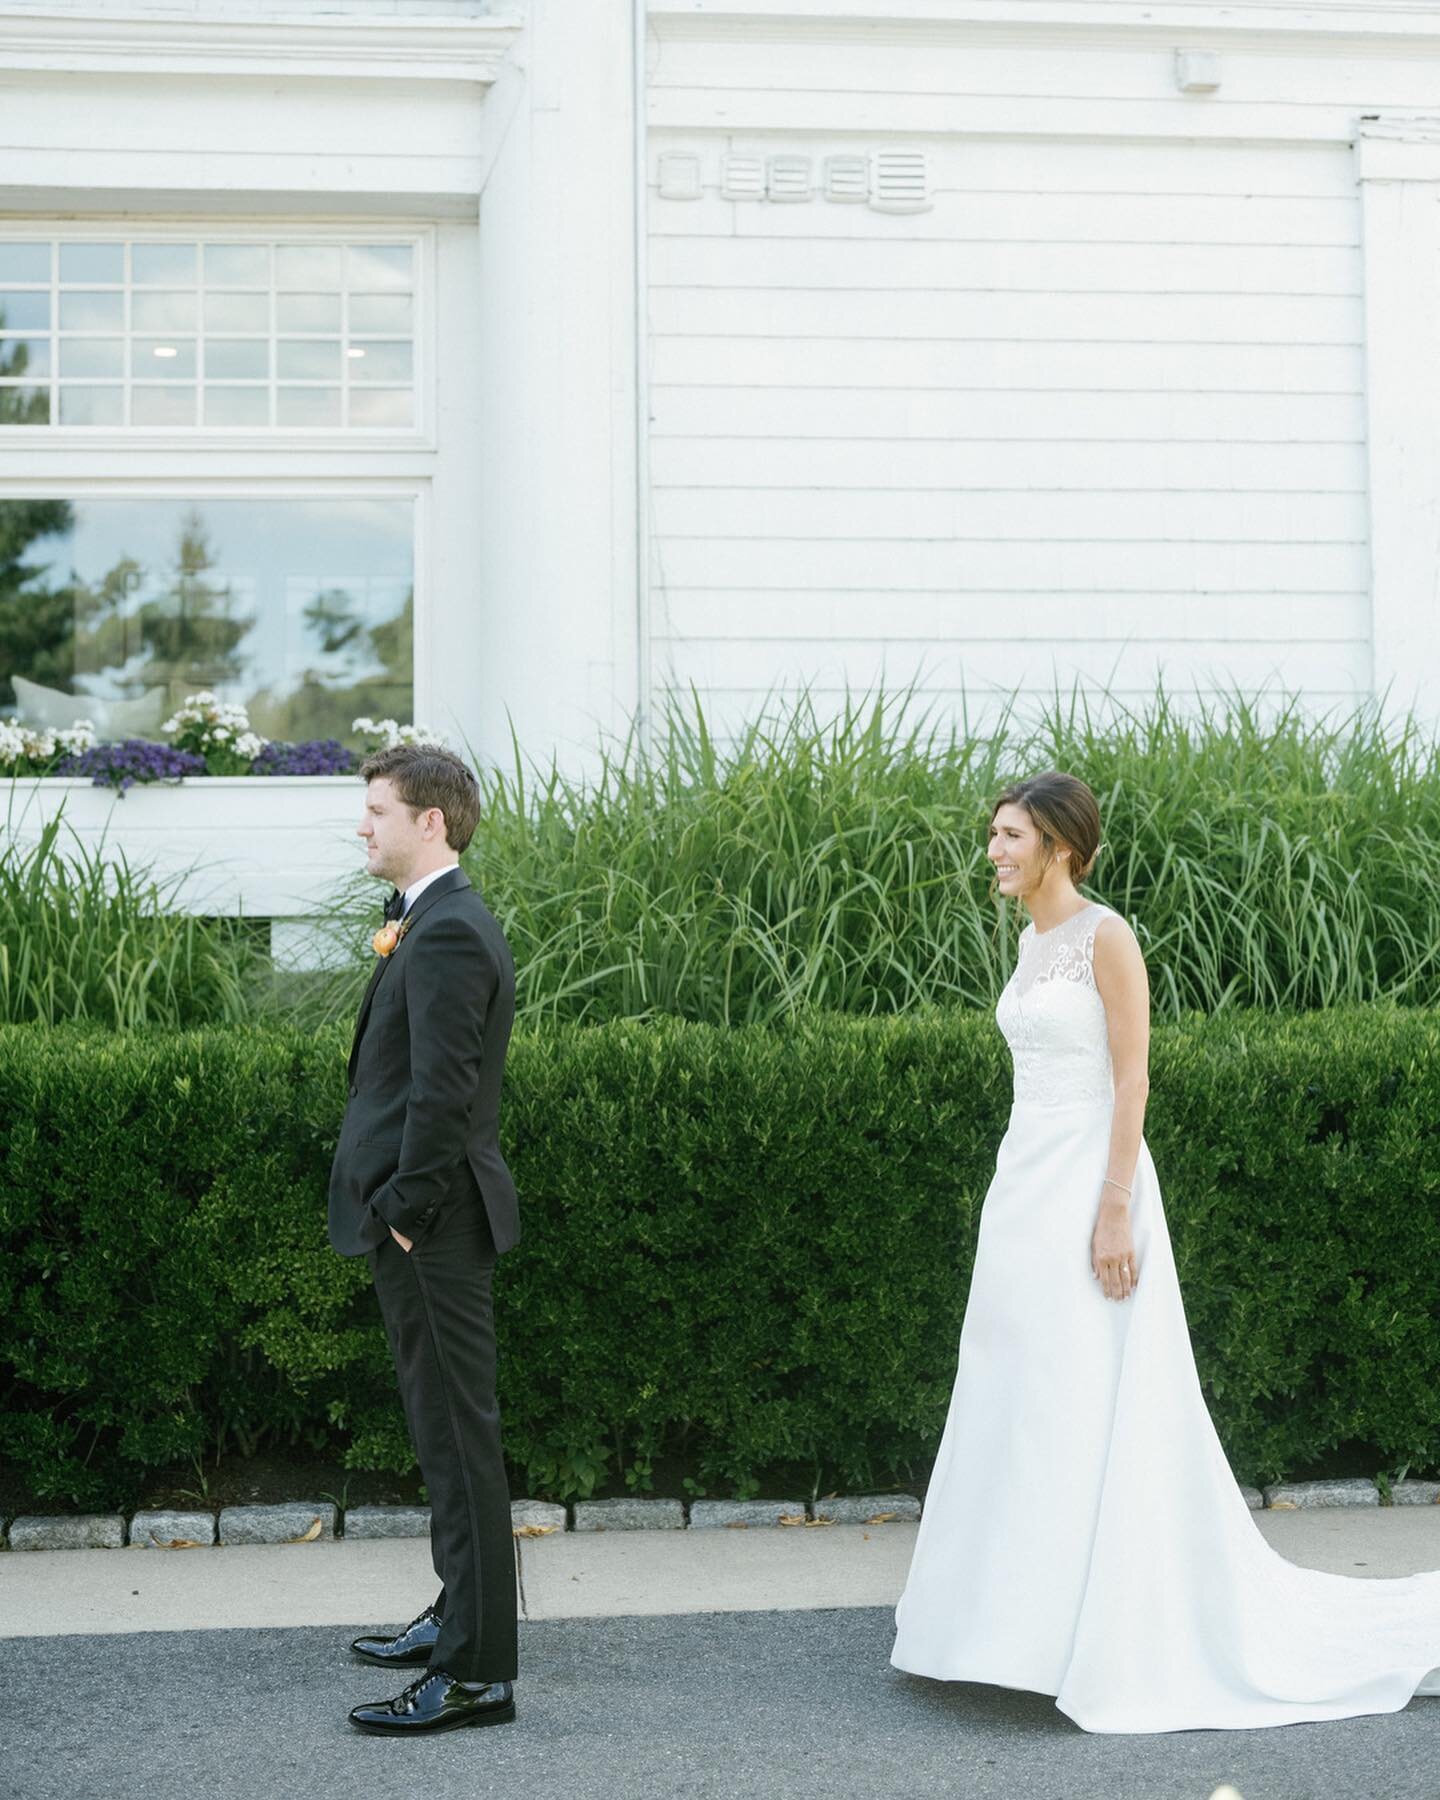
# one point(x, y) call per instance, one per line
point(133, 604)
point(20, 404)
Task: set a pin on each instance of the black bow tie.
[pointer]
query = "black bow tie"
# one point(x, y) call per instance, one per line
point(395, 905)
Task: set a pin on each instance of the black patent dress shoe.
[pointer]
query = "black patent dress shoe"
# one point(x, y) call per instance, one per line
point(413, 1645)
point(437, 1702)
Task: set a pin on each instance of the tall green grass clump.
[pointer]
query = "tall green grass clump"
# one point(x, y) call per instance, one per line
point(816, 862)
point(84, 937)
point(1266, 859)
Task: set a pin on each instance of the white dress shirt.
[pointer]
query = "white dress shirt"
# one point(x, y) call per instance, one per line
point(417, 888)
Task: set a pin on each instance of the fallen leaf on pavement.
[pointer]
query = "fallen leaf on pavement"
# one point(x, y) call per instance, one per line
point(534, 1530)
point(308, 1537)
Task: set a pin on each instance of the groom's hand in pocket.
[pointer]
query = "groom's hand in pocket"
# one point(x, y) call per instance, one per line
point(406, 1244)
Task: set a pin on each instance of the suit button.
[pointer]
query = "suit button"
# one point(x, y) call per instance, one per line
point(353, 1089)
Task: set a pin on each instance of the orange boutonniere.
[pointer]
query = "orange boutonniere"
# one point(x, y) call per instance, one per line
point(389, 935)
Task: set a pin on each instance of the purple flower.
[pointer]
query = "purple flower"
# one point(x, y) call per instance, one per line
point(317, 756)
point(121, 765)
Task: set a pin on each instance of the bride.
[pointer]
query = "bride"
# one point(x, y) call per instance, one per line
point(1083, 1535)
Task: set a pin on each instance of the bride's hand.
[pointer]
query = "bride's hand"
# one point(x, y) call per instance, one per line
point(1112, 1251)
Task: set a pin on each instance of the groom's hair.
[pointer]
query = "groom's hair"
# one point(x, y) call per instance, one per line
point(426, 775)
point(1065, 813)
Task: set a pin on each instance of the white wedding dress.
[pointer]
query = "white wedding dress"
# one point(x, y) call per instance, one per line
point(1083, 1535)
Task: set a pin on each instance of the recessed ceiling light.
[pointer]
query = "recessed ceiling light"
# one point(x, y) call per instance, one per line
point(165, 350)
point(352, 351)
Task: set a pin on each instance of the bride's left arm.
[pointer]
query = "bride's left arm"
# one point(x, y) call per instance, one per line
point(1125, 989)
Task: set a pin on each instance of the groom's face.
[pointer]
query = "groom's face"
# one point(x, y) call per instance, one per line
point(394, 837)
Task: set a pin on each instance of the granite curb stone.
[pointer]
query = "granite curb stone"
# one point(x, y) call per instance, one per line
point(282, 1524)
point(1415, 1493)
point(167, 1529)
point(537, 1515)
point(387, 1521)
point(291, 1521)
point(866, 1509)
point(739, 1515)
point(74, 1531)
point(629, 1514)
point(1289, 1496)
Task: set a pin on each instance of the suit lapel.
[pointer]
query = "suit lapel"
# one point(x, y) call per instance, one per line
point(449, 883)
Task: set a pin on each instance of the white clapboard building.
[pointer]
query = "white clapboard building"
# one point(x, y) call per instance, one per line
point(512, 366)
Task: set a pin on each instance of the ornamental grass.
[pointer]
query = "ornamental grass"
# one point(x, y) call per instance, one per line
point(86, 938)
point(1266, 859)
point(835, 862)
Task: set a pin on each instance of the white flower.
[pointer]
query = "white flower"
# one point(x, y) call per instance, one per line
point(77, 737)
point(220, 733)
point(249, 745)
point(390, 732)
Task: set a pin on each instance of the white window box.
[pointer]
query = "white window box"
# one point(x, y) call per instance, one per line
point(274, 846)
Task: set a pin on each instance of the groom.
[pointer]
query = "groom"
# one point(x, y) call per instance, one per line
point(420, 1189)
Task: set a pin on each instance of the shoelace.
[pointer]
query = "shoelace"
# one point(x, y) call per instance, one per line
point(406, 1702)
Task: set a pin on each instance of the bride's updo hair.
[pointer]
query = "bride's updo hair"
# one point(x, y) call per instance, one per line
point(1064, 812)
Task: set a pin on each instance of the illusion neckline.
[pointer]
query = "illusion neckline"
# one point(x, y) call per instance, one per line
point(1050, 930)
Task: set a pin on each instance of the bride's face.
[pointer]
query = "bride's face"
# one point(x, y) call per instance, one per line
point(1017, 854)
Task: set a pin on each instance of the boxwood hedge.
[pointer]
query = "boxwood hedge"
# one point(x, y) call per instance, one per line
point(745, 1250)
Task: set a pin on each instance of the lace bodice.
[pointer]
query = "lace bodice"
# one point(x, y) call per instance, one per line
point(1053, 1018)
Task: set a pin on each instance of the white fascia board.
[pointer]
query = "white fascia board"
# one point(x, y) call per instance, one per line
point(335, 48)
point(1318, 21)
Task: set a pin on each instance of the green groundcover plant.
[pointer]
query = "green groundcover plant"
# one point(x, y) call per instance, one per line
point(745, 1249)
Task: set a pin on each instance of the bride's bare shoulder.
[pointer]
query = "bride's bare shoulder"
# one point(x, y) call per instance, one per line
point(1116, 944)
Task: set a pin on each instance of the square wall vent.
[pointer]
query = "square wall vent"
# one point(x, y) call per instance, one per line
point(900, 181)
point(847, 179)
point(679, 177)
point(742, 178)
point(789, 178)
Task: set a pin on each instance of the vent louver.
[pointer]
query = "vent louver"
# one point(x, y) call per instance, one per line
point(742, 178)
point(789, 178)
point(901, 181)
point(847, 179)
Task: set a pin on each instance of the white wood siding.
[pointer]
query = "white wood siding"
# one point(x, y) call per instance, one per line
point(1098, 415)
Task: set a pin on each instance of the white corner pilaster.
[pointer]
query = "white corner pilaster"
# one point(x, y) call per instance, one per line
point(1399, 172)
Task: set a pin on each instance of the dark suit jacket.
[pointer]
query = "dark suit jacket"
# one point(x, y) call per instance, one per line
point(421, 1125)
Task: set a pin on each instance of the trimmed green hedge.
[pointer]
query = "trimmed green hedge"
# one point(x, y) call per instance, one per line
point(748, 1249)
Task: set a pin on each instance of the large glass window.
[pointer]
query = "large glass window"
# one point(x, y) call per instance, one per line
point(208, 333)
point(116, 608)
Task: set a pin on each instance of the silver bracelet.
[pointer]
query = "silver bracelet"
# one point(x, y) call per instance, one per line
point(1110, 1181)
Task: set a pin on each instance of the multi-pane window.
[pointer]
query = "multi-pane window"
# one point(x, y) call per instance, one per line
point(210, 333)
